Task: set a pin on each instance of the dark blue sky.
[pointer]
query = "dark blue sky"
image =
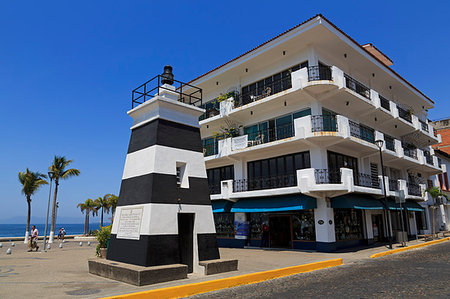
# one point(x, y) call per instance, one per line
point(67, 70)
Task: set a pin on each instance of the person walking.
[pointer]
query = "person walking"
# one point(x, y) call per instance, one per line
point(265, 235)
point(33, 240)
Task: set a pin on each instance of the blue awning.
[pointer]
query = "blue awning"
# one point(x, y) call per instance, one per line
point(275, 204)
point(221, 206)
point(356, 201)
point(409, 205)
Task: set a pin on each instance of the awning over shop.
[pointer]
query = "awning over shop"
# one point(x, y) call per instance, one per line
point(413, 206)
point(220, 206)
point(356, 201)
point(275, 204)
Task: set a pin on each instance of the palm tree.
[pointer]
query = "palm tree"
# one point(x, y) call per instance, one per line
point(59, 173)
point(103, 203)
point(435, 193)
point(31, 182)
point(112, 200)
point(87, 207)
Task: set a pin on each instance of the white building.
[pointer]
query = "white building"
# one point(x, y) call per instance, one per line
point(289, 139)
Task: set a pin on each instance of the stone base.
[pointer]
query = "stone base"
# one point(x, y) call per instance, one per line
point(219, 266)
point(137, 275)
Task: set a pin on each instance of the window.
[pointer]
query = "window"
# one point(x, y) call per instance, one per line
point(224, 224)
point(216, 175)
point(348, 224)
point(182, 178)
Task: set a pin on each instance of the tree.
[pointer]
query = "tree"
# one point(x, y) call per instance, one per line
point(31, 182)
point(88, 207)
point(103, 203)
point(435, 193)
point(59, 173)
point(112, 199)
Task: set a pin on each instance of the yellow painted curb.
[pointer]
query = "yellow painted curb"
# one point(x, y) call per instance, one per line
point(407, 248)
point(213, 285)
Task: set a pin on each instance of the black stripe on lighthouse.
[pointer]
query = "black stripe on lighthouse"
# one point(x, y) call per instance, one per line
point(168, 133)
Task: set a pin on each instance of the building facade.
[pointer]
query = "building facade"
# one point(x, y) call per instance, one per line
point(289, 141)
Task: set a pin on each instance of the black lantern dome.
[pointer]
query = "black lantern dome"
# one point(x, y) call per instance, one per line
point(167, 75)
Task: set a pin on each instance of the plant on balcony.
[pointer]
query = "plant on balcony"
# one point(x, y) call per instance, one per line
point(224, 97)
point(228, 130)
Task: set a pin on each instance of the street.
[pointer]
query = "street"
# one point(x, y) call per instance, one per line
point(417, 273)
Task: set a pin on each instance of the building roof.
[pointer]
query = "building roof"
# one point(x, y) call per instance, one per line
point(337, 28)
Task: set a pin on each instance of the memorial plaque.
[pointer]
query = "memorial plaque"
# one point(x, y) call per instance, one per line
point(130, 223)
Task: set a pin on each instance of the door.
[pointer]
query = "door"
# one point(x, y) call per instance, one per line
point(186, 239)
point(280, 231)
point(377, 227)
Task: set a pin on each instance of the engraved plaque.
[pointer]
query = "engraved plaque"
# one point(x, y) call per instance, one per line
point(130, 223)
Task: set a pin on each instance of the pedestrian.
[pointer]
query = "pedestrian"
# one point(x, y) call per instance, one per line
point(63, 232)
point(33, 239)
point(265, 235)
point(60, 234)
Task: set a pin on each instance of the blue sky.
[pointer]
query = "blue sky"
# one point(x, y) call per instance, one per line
point(67, 70)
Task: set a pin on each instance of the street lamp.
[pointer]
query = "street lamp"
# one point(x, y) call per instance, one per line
point(379, 143)
point(51, 175)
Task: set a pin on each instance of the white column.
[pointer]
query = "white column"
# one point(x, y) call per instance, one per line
point(324, 214)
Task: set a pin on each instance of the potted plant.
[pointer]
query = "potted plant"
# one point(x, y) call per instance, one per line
point(102, 238)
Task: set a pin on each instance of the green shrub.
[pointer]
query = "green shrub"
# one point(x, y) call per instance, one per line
point(102, 238)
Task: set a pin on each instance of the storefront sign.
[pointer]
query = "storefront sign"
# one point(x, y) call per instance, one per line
point(130, 223)
point(241, 226)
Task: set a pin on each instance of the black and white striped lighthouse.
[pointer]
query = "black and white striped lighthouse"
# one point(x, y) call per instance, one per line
point(164, 213)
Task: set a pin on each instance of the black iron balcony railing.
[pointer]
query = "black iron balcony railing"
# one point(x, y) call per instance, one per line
point(390, 145)
point(319, 72)
point(215, 189)
point(367, 180)
point(393, 185)
point(269, 88)
point(362, 132)
point(212, 109)
point(262, 183)
point(271, 134)
point(324, 123)
point(357, 86)
point(187, 93)
point(428, 157)
point(410, 152)
point(413, 189)
point(406, 115)
point(325, 176)
point(424, 126)
point(385, 103)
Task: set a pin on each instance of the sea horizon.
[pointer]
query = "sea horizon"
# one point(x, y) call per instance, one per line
point(18, 230)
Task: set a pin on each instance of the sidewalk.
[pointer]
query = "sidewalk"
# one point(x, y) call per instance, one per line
point(63, 273)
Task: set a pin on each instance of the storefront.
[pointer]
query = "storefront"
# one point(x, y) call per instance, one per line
point(408, 212)
point(289, 222)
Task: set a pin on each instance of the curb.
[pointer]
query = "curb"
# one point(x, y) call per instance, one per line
point(213, 285)
point(408, 248)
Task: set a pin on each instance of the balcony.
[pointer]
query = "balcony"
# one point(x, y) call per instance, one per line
point(325, 176)
point(319, 72)
point(410, 152)
point(393, 185)
point(367, 180)
point(413, 189)
point(362, 132)
point(324, 123)
point(357, 86)
point(263, 183)
point(423, 126)
point(405, 115)
point(385, 103)
point(270, 135)
point(428, 157)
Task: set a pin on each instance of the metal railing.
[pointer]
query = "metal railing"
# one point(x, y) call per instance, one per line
point(262, 92)
point(271, 134)
point(215, 189)
point(357, 86)
point(361, 132)
point(413, 189)
point(212, 109)
point(434, 132)
point(385, 103)
point(325, 176)
point(319, 72)
point(424, 125)
point(210, 149)
point(262, 183)
point(390, 145)
point(428, 157)
point(187, 93)
point(406, 115)
point(393, 185)
point(409, 152)
point(324, 123)
point(367, 180)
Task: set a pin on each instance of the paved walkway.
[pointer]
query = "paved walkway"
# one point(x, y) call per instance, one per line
point(63, 273)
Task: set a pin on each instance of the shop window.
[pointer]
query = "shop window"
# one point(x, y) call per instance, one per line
point(348, 224)
point(224, 225)
point(303, 226)
point(256, 221)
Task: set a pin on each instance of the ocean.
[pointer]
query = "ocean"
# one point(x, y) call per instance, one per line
point(18, 230)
